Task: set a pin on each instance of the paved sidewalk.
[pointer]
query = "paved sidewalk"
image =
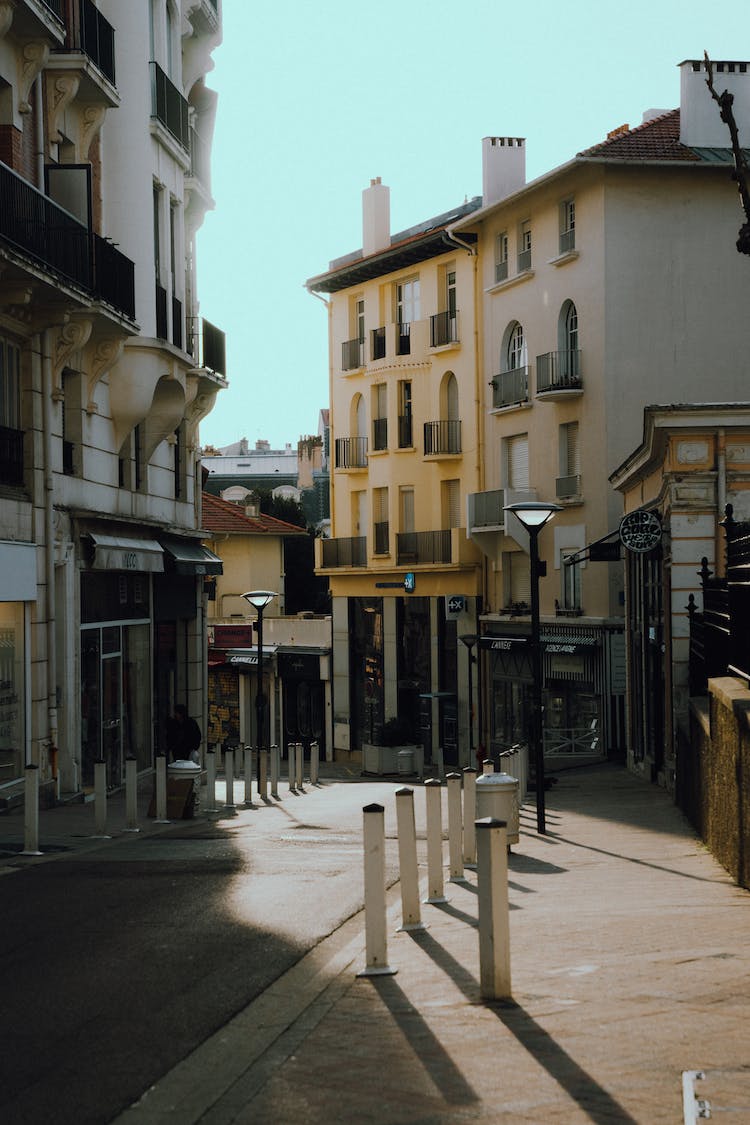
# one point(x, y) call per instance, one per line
point(630, 963)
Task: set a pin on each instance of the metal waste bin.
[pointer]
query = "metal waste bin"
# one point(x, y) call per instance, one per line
point(497, 795)
point(405, 760)
point(186, 770)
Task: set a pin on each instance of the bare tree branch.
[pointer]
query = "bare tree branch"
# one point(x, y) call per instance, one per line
point(741, 167)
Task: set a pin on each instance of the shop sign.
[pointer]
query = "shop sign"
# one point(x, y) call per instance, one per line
point(640, 531)
point(502, 644)
point(233, 636)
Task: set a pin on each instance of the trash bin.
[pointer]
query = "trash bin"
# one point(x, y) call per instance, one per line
point(497, 795)
point(405, 761)
point(182, 771)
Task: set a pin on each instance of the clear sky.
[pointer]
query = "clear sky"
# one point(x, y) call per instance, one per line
point(316, 98)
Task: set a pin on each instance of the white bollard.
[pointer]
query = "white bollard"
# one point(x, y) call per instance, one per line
point(291, 751)
point(275, 772)
point(494, 926)
point(488, 766)
point(470, 815)
point(230, 808)
point(100, 798)
point(211, 809)
point(411, 916)
point(248, 771)
point(455, 841)
point(131, 795)
point(434, 814)
point(300, 766)
point(160, 763)
point(376, 941)
point(263, 775)
point(31, 811)
point(314, 762)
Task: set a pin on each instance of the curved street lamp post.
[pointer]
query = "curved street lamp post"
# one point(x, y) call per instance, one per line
point(259, 599)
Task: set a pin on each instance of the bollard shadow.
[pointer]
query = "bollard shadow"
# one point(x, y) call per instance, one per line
point(427, 1048)
point(454, 912)
point(529, 865)
point(599, 1105)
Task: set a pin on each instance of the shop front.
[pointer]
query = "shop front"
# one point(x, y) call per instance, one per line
point(17, 593)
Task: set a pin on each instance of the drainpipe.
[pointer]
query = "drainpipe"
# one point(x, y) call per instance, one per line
point(39, 131)
point(49, 554)
point(721, 495)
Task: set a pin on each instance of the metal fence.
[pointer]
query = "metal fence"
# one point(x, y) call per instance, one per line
point(720, 631)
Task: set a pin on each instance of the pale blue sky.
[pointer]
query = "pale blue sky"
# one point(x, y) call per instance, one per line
point(316, 98)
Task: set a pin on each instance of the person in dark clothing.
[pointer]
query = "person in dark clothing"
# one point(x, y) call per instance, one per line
point(185, 737)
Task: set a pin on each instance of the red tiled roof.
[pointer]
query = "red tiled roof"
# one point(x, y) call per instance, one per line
point(221, 515)
point(658, 139)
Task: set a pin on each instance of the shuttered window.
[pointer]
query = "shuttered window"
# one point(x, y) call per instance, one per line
point(380, 505)
point(407, 509)
point(570, 464)
point(451, 503)
point(519, 569)
point(517, 461)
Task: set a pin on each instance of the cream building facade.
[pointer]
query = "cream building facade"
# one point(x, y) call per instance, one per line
point(105, 372)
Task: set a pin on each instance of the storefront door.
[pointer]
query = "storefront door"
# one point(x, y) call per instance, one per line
point(112, 718)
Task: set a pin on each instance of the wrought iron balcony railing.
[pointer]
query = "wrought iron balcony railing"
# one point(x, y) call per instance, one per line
point(510, 387)
point(351, 453)
point(568, 487)
point(90, 32)
point(443, 329)
point(377, 343)
point(169, 106)
point(207, 345)
point(405, 434)
point(352, 354)
point(415, 547)
point(114, 275)
point(380, 433)
point(403, 339)
point(382, 537)
point(442, 437)
point(558, 371)
point(161, 312)
point(11, 456)
point(567, 240)
point(176, 322)
point(345, 552)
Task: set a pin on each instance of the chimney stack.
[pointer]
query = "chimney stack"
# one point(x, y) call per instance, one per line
point(503, 167)
point(700, 124)
point(376, 217)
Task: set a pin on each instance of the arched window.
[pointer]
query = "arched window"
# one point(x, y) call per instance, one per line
point(515, 350)
point(570, 355)
point(450, 397)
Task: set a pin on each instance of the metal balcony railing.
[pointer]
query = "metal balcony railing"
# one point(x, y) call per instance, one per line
point(405, 436)
point(510, 387)
point(382, 537)
point(11, 456)
point(161, 312)
point(414, 547)
point(169, 106)
point(36, 226)
point(351, 453)
point(380, 433)
point(403, 339)
point(567, 240)
point(377, 343)
point(443, 329)
point(558, 371)
point(92, 34)
point(501, 271)
point(177, 322)
point(352, 354)
point(207, 345)
point(486, 509)
point(442, 437)
point(568, 487)
point(524, 261)
point(345, 552)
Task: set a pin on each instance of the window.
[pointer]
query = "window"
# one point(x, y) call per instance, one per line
point(407, 311)
point(380, 417)
point(359, 513)
point(380, 526)
point(405, 439)
point(570, 580)
point(567, 226)
point(569, 364)
point(72, 422)
point(11, 435)
point(179, 462)
point(406, 502)
point(501, 256)
point(516, 354)
point(518, 579)
point(516, 458)
point(450, 502)
point(569, 481)
point(524, 246)
point(161, 292)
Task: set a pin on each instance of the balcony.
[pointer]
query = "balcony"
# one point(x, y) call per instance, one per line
point(207, 345)
point(567, 241)
point(443, 329)
point(169, 107)
point(93, 35)
point(350, 453)
point(558, 374)
point(382, 537)
point(380, 434)
point(414, 548)
point(568, 488)
point(405, 432)
point(377, 343)
point(33, 224)
point(524, 261)
point(403, 339)
point(442, 439)
point(11, 456)
point(486, 510)
point(352, 355)
point(501, 271)
point(344, 552)
point(510, 388)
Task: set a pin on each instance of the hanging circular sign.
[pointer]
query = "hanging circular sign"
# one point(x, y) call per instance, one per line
point(640, 531)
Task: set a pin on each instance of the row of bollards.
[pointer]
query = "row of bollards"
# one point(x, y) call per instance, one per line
point(470, 841)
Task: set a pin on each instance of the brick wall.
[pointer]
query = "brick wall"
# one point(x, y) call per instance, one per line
point(10, 146)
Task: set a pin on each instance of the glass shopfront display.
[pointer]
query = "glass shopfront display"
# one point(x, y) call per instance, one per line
point(12, 694)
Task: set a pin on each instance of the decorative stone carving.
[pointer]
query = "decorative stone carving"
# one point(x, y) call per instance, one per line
point(736, 452)
point(92, 120)
point(690, 452)
point(71, 337)
point(60, 93)
point(106, 354)
point(34, 59)
point(7, 8)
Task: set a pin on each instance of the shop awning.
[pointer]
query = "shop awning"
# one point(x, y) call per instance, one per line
point(188, 557)
point(249, 659)
point(115, 552)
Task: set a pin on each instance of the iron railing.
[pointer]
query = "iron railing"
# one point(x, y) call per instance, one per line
point(403, 339)
point(345, 552)
point(382, 537)
point(352, 354)
point(351, 453)
point(114, 275)
point(443, 329)
point(377, 343)
point(177, 322)
point(720, 633)
point(442, 437)
point(501, 271)
point(414, 547)
point(11, 456)
point(91, 33)
point(524, 260)
point(567, 487)
point(567, 240)
point(510, 387)
point(169, 106)
point(405, 434)
point(161, 312)
point(558, 371)
point(380, 433)
point(207, 345)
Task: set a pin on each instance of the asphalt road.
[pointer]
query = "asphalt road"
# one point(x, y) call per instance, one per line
point(117, 963)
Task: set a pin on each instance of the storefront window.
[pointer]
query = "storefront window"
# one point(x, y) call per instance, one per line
point(11, 691)
point(136, 695)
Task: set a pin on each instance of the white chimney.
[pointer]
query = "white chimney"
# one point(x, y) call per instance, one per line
point(700, 123)
point(376, 217)
point(503, 167)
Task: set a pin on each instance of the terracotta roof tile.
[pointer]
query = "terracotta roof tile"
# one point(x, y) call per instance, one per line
point(658, 139)
point(221, 515)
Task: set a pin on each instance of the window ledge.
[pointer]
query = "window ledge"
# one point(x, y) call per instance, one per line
point(377, 452)
point(510, 407)
point(437, 348)
point(563, 259)
point(571, 501)
point(517, 279)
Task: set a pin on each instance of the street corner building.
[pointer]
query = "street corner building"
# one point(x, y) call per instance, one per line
point(105, 373)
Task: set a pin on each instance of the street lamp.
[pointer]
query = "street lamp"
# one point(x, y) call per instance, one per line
point(259, 599)
point(470, 639)
point(533, 515)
